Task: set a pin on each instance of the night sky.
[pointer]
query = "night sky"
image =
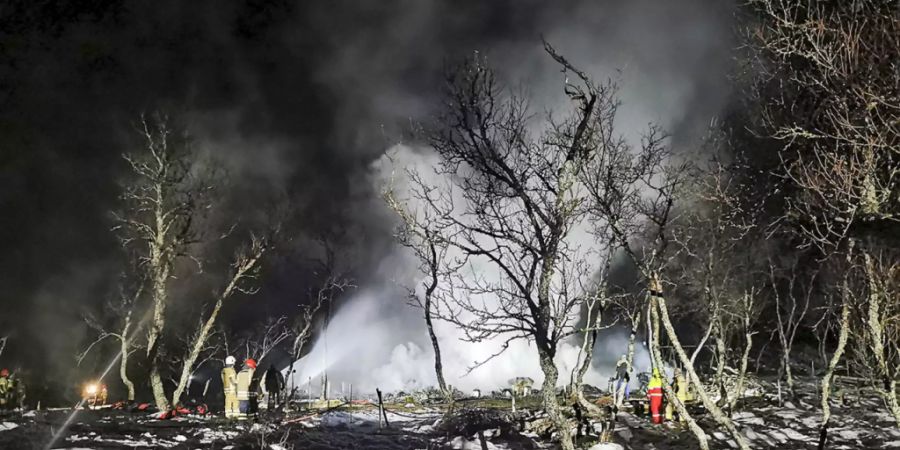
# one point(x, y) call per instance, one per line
point(297, 98)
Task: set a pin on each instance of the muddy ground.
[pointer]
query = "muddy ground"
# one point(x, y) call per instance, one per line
point(860, 422)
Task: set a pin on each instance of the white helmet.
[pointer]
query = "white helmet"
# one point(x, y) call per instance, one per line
point(229, 361)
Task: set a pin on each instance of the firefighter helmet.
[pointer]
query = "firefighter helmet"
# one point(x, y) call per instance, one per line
point(229, 361)
point(250, 362)
point(4, 373)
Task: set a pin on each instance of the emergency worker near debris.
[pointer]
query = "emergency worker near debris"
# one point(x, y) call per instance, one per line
point(655, 394)
point(15, 394)
point(244, 382)
point(274, 383)
point(622, 379)
point(229, 386)
point(680, 386)
point(4, 388)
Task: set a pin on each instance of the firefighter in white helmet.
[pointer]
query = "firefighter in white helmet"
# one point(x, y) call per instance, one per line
point(229, 385)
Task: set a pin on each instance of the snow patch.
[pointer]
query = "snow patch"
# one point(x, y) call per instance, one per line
point(607, 446)
point(6, 426)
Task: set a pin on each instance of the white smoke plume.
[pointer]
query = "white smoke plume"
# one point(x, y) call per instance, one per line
point(370, 348)
point(670, 61)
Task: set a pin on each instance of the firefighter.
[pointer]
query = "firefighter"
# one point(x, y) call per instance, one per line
point(15, 391)
point(680, 386)
point(274, 383)
point(20, 393)
point(244, 385)
point(4, 388)
point(229, 385)
point(655, 394)
point(103, 396)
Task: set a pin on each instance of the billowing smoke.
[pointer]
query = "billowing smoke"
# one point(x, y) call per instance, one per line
point(302, 98)
point(670, 62)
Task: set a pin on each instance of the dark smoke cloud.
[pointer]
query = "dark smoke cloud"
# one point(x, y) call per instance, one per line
point(296, 97)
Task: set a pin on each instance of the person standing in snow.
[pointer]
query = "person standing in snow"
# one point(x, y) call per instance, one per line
point(655, 394)
point(229, 386)
point(274, 383)
point(4, 388)
point(244, 385)
point(680, 386)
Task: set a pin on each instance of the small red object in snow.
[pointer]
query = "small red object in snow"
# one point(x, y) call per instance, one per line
point(143, 406)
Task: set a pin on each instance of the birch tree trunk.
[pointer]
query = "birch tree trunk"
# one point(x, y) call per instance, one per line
point(155, 332)
point(587, 353)
point(125, 349)
point(843, 334)
point(711, 406)
point(194, 353)
point(245, 262)
point(550, 402)
point(884, 381)
point(656, 354)
point(742, 372)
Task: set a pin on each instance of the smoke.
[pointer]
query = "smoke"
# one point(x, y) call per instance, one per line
point(669, 61)
point(301, 98)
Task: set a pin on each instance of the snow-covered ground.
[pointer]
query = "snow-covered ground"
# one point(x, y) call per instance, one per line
point(859, 422)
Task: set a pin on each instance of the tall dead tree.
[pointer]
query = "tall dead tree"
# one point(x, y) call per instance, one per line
point(162, 207)
point(507, 200)
point(162, 221)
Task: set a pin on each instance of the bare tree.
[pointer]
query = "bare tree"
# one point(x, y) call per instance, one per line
point(162, 222)
point(163, 205)
point(635, 194)
point(598, 297)
point(245, 270)
point(122, 311)
point(431, 251)
point(333, 282)
point(876, 330)
point(509, 201)
point(790, 311)
point(263, 339)
point(826, 86)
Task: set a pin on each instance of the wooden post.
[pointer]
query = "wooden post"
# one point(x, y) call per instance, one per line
point(382, 413)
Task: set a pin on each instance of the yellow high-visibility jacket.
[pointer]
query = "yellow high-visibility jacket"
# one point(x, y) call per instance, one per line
point(4, 385)
point(229, 380)
point(655, 382)
point(681, 389)
point(244, 378)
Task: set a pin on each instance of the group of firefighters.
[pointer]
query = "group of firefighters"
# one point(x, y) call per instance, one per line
point(655, 394)
point(242, 389)
point(12, 390)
